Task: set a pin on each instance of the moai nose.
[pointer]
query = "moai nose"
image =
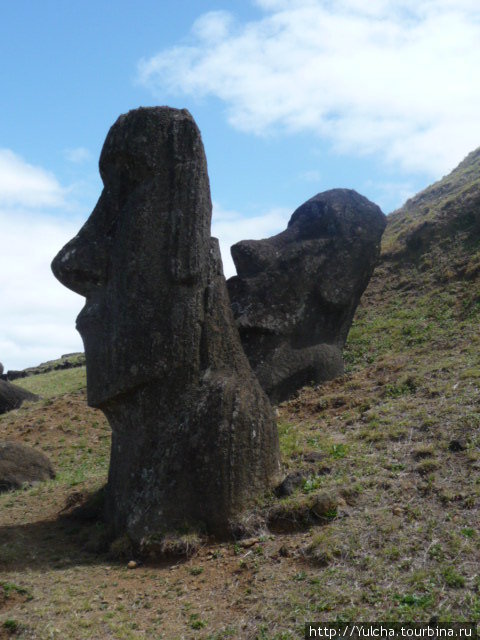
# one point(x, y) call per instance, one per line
point(81, 264)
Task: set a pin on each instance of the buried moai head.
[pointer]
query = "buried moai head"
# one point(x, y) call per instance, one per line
point(296, 293)
point(141, 241)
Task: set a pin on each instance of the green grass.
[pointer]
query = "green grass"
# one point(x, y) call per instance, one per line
point(55, 383)
point(11, 626)
point(10, 588)
point(452, 578)
point(447, 204)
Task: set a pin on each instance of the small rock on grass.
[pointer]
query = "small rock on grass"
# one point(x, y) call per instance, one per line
point(249, 542)
point(324, 506)
point(284, 551)
point(456, 446)
point(290, 483)
point(313, 456)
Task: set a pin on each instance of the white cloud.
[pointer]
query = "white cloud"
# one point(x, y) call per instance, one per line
point(394, 77)
point(78, 155)
point(37, 321)
point(38, 314)
point(231, 227)
point(212, 26)
point(22, 184)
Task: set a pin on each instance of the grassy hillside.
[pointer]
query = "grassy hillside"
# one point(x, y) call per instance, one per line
point(393, 447)
point(67, 361)
point(55, 383)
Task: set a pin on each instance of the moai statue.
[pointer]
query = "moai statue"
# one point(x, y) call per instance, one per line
point(194, 440)
point(296, 293)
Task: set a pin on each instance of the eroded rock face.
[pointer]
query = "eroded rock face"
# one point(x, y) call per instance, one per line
point(12, 396)
point(194, 437)
point(20, 464)
point(296, 293)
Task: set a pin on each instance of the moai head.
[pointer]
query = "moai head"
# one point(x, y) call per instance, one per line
point(141, 258)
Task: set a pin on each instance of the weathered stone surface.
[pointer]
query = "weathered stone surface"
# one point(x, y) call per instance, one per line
point(11, 396)
point(194, 437)
point(296, 293)
point(21, 465)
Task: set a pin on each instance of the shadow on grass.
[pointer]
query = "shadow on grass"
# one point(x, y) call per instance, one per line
point(77, 536)
point(57, 544)
point(60, 544)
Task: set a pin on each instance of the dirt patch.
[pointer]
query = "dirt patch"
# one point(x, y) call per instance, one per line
point(11, 595)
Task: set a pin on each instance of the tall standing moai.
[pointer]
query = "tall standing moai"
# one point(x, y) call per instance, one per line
point(194, 440)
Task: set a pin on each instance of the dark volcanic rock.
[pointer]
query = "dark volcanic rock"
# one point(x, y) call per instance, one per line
point(11, 396)
point(296, 293)
point(13, 374)
point(289, 484)
point(457, 445)
point(194, 437)
point(21, 465)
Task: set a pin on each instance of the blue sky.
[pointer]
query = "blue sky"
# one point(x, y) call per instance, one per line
point(292, 98)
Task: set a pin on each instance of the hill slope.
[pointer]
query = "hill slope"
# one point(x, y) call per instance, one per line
point(395, 443)
point(426, 290)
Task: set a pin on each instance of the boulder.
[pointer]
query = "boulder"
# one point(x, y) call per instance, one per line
point(20, 465)
point(194, 437)
point(13, 374)
point(12, 396)
point(295, 294)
